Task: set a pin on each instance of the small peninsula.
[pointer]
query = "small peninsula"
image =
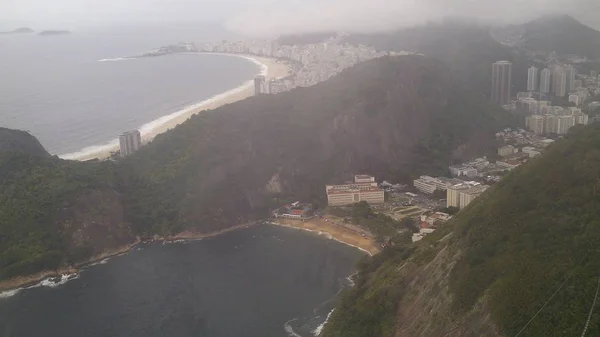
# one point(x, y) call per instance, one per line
point(54, 32)
point(22, 30)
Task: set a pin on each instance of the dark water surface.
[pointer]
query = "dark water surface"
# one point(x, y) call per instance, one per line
point(255, 282)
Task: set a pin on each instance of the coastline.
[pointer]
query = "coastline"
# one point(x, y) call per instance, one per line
point(16, 284)
point(270, 68)
point(334, 232)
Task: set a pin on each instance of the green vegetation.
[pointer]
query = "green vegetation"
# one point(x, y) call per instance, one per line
point(525, 236)
point(391, 117)
point(369, 308)
point(34, 192)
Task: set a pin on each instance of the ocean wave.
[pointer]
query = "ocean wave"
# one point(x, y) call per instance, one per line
point(317, 331)
point(51, 282)
point(9, 293)
point(149, 129)
point(117, 59)
point(289, 329)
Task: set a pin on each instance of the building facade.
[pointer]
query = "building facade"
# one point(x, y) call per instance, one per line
point(130, 142)
point(364, 188)
point(532, 79)
point(545, 80)
point(501, 82)
point(461, 195)
point(260, 85)
point(560, 83)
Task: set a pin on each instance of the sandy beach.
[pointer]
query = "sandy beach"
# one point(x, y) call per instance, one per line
point(272, 69)
point(335, 232)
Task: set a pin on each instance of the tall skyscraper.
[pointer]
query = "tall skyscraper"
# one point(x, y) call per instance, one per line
point(260, 83)
point(532, 79)
point(130, 142)
point(560, 83)
point(545, 80)
point(501, 82)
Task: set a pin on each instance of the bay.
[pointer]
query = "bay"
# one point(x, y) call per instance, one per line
point(256, 282)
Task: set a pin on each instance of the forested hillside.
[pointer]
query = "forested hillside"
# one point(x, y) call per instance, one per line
point(530, 243)
point(393, 117)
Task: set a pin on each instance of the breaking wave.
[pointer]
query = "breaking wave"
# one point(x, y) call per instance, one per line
point(51, 282)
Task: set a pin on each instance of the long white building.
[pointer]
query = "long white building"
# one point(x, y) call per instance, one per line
point(364, 188)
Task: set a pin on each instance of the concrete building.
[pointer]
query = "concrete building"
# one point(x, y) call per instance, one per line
point(532, 79)
point(501, 82)
point(364, 188)
point(506, 150)
point(570, 73)
point(130, 142)
point(462, 195)
point(574, 98)
point(260, 85)
point(560, 83)
point(428, 185)
point(545, 80)
point(563, 124)
point(535, 123)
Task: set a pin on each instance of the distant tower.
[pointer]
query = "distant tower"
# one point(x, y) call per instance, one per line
point(130, 142)
point(570, 73)
point(259, 85)
point(560, 83)
point(545, 80)
point(501, 82)
point(532, 79)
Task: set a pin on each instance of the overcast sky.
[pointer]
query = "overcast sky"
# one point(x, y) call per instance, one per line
point(270, 17)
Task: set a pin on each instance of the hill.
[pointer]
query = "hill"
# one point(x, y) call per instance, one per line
point(529, 244)
point(394, 117)
point(20, 141)
point(561, 34)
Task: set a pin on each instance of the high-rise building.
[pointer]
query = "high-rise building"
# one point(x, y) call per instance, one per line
point(593, 73)
point(260, 84)
point(560, 83)
point(563, 124)
point(532, 79)
point(501, 82)
point(130, 142)
point(570, 73)
point(545, 80)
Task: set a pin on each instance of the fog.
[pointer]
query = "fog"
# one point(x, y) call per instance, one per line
point(273, 17)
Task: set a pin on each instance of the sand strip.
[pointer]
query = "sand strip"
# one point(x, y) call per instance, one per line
point(271, 68)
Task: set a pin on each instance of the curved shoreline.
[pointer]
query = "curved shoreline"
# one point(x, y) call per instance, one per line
point(269, 68)
point(16, 284)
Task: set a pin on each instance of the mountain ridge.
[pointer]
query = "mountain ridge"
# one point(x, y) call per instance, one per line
point(393, 117)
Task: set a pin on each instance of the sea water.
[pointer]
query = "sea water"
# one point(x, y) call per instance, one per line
point(76, 93)
point(256, 282)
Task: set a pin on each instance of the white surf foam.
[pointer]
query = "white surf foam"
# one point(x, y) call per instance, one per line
point(150, 128)
point(9, 293)
point(51, 282)
point(289, 329)
point(317, 331)
point(56, 282)
point(117, 59)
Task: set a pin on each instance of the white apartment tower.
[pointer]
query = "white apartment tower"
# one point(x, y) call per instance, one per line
point(501, 82)
point(545, 80)
point(130, 142)
point(532, 79)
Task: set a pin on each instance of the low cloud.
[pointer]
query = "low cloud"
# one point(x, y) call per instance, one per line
point(381, 15)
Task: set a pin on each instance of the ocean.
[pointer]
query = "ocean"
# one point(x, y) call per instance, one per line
point(76, 93)
point(263, 281)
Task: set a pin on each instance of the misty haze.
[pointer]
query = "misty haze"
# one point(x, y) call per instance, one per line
point(299, 168)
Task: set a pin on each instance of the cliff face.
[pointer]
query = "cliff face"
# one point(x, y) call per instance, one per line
point(392, 117)
point(529, 242)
